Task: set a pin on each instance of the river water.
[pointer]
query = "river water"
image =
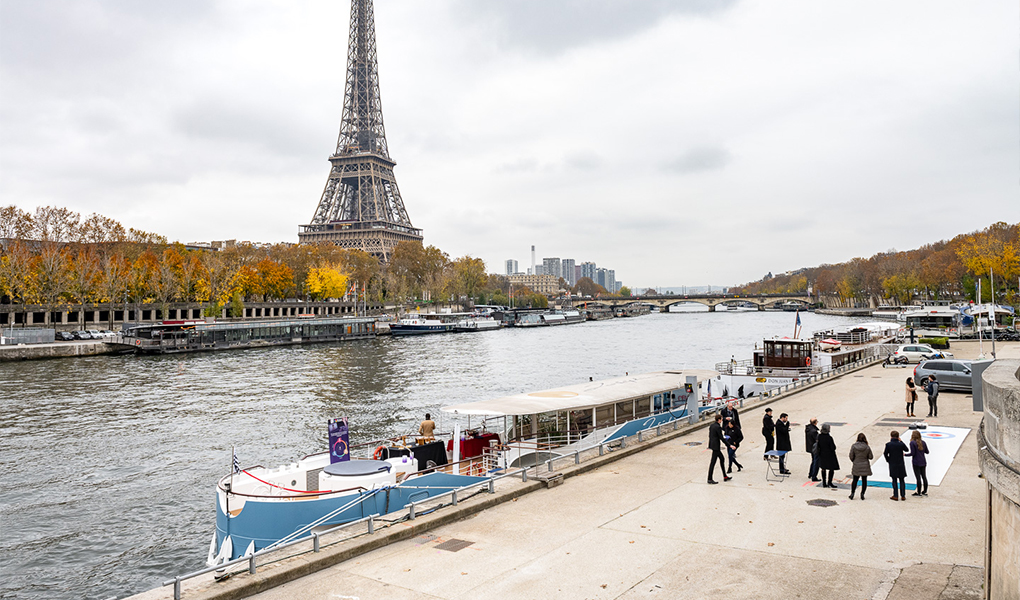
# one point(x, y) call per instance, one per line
point(108, 463)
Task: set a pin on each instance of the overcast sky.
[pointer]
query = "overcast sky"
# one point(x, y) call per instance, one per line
point(678, 142)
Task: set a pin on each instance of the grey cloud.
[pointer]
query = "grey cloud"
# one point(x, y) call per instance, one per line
point(583, 161)
point(549, 27)
point(521, 165)
point(705, 158)
point(269, 128)
point(791, 224)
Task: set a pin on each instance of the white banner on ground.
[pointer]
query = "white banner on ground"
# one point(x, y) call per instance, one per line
point(943, 444)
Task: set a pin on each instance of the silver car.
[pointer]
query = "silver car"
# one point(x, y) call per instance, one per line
point(915, 353)
point(951, 374)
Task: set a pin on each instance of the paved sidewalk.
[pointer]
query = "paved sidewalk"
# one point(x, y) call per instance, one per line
point(649, 525)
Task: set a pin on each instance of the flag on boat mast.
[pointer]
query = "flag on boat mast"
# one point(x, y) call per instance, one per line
point(234, 462)
point(796, 327)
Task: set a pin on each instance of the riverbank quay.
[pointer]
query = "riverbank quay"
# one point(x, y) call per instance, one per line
point(845, 312)
point(9, 353)
point(655, 516)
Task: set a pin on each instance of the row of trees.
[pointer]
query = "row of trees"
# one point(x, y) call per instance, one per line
point(942, 270)
point(54, 258)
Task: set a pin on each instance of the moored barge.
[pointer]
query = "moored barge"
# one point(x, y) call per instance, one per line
point(171, 337)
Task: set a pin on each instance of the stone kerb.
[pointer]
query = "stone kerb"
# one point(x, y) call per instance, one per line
point(999, 442)
point(999, 456)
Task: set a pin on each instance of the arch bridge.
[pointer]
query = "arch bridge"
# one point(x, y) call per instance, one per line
point(709, 300)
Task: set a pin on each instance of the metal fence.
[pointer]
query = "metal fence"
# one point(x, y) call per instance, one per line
point(12, 337)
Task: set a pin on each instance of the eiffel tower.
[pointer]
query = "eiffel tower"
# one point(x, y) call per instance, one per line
point(361, 206)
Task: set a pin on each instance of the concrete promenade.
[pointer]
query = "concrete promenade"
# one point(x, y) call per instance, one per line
point(649, 525)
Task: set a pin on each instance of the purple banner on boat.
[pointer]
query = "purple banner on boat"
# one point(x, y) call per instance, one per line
point(339, 447)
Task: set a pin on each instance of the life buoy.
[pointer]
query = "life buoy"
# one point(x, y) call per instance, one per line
point(379, 452)
point(807, 361)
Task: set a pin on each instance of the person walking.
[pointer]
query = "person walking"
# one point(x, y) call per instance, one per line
point(768, 429)
point(828, 462)
point(911, 396)
point(810, 439)
point(894, 452)
point(783, 440)
point(715, 438)
point(733, 439)
point(860, 457)
point(919, 461)
point(933, 396)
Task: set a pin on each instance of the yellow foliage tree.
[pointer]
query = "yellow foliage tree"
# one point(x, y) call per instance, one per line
point(326, 282)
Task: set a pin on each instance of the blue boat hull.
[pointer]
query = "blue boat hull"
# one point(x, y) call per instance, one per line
point(266, 522)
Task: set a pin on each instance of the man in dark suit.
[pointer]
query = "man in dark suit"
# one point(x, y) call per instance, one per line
point(783, 440)
point(810, 439)
point(715, 439)
point(768, 429)
point(729, 413)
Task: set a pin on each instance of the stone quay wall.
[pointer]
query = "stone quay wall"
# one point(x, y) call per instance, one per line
point(999, 455)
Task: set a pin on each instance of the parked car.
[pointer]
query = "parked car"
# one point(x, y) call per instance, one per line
point(108, 334)
point(82, 335)
point(915, 353)
point(64, 336)
point(96, 334)
point(951, 374)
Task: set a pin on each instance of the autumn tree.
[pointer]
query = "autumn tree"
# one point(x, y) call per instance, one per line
point(112, 281)
point(16, 279)
point(15, 224)
point(83, 279)
point(586, 287)
point(50, 271)
point(468, 277)
point(327, 281)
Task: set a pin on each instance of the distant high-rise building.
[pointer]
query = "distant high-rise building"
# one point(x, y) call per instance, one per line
point(577, 273)
point(551, 266)
point(619, 286)
point(600, 277)
point(567, 270)
point(588, 270)
point(533, 271)
point(511, 266)
point(610, 284)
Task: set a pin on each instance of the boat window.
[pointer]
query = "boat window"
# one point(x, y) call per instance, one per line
point(604, 416)
point(787, 351)
point(643, 407)
point(625, 410)
point(657, 402)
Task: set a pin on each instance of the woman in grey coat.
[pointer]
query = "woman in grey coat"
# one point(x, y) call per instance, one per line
point(861, 456)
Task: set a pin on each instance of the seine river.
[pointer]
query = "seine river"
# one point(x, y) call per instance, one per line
point(108, 463)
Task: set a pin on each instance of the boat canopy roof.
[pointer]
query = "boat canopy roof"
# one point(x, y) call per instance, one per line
point(582, 395)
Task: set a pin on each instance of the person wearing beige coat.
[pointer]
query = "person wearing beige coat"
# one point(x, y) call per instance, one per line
point(911, 396)
point(861, 456)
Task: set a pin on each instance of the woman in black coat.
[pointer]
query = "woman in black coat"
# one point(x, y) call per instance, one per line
point(828, 462)
point(894, 451)
point(733, 437)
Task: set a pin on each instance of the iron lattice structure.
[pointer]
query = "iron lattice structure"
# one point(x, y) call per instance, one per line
point(361, 205)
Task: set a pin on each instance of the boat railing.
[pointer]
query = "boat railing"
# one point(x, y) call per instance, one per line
point(747, 367)
point(849, 337)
